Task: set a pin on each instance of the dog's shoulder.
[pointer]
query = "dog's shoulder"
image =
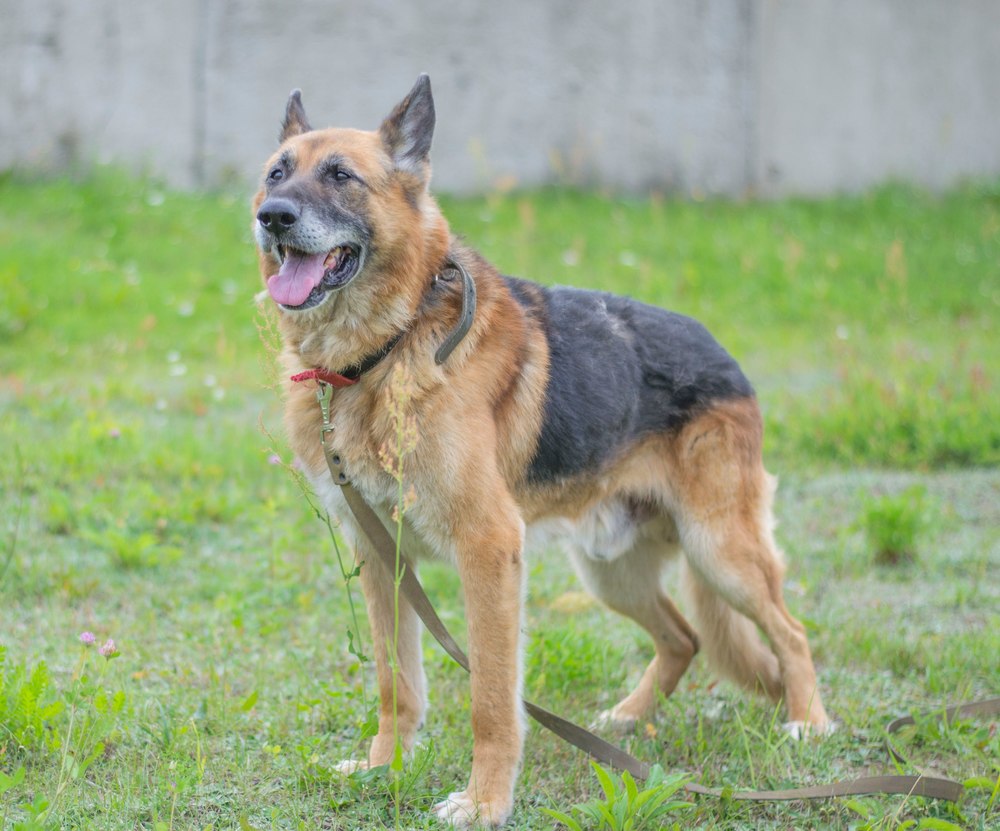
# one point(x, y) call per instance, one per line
point(618, 370)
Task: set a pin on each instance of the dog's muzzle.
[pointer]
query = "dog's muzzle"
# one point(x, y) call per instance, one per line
point(313, 262)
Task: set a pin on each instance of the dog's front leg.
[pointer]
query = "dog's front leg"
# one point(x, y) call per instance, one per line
point(489, 552)
point(400, 673)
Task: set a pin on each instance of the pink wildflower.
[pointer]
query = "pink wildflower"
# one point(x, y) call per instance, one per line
point(109, 650)
point(87, 638)
point(274, 459)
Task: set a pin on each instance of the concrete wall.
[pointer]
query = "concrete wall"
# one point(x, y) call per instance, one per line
point(714, 96)
point(852, 93)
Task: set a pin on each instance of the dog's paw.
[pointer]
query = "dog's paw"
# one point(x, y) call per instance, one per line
point(615, 721)
point(349, 766)
point(460, 810)
point(800, 730)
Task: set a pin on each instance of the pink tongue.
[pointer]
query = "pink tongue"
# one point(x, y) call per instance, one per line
point(298, 276)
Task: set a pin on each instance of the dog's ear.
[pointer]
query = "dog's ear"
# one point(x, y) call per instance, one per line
point(408, 130)
point(295, 117)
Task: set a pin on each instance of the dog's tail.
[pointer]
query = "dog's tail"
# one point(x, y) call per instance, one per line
point(730, 640)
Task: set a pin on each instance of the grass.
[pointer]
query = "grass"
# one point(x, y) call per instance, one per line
point(140, 499)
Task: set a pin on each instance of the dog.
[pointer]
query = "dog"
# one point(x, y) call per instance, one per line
point(626, 426)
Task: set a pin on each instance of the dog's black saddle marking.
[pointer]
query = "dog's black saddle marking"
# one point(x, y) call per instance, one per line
point(619, 369)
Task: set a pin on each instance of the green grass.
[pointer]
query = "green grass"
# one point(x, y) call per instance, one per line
point(138, 501)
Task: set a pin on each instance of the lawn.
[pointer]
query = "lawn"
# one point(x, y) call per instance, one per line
point(146, 496)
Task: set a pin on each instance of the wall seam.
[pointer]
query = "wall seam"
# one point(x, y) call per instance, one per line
point(199, 96)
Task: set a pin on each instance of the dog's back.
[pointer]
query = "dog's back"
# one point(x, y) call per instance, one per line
point(619, 370)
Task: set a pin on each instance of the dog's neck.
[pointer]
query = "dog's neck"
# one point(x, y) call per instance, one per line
point(354, 372)
point(357, 329)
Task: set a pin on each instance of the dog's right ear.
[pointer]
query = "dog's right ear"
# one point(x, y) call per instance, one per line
point(295, 117)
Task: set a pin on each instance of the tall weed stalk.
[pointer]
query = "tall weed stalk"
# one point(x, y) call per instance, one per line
point(405, 436)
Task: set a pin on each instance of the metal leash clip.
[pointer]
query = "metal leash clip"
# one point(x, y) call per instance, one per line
point(324, 394)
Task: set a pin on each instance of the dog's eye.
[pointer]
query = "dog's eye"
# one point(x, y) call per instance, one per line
point(339, 174)
point(276, 175)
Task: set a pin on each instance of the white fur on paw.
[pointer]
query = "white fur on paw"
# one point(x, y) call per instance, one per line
point(349, 766)
point(799, 730)
point(795, 729)
point(457, 810)
point(460, 810)
point(610, 720)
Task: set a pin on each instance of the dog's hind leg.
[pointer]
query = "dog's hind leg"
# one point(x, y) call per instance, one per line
point(744, 571)
point(723, 513)
point(630, 584)
point(730, 640)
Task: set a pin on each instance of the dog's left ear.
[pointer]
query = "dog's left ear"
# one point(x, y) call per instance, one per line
point(408, 130)
point(295, 117)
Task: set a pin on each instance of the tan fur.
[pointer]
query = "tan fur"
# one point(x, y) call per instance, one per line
point(701, 489)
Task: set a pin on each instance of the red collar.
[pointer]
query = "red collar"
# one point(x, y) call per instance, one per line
point(327, 377)
point(352, 374)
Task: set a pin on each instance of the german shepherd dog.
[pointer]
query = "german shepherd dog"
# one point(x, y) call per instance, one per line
point(625, 427)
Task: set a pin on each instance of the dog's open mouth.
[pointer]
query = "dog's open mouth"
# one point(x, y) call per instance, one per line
point(304, 279)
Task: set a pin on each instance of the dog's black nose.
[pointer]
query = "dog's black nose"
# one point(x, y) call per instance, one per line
point(277, 215)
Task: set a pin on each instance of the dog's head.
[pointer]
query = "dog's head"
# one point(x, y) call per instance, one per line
point(336, 205)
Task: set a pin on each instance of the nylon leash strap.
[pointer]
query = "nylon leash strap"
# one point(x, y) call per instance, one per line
point(596, 747)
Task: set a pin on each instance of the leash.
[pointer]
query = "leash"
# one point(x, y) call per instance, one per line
point(592, 745)
point(986, 707)
point(596, 747)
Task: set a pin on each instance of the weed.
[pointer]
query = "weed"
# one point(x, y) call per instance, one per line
point(405, 436)
point(8, 782)
point(625, 807)
point(36, 816)
point(893, 524)
point(32, 717)
point(872, 820)
point(93, 716)
point(59, 516)
point(355, 644)
point(28, 706)
point(130, 550)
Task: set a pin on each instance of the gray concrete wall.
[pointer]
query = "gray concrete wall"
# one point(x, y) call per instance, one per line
point(699, 96)
point(855, 92)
